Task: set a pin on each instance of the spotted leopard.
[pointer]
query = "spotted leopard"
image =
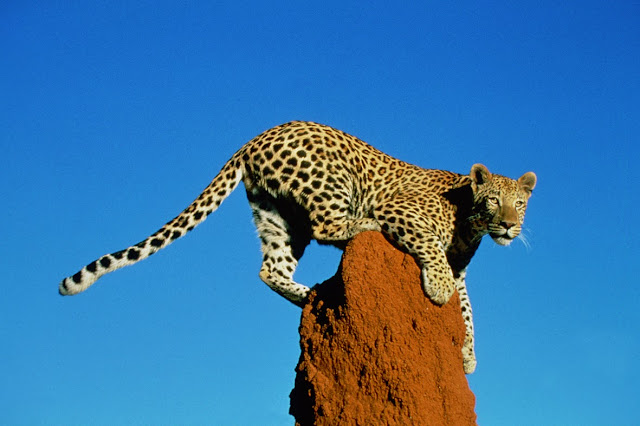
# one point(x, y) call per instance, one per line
point(308, 181)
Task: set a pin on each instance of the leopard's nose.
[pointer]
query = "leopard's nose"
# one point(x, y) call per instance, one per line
point(507, 224)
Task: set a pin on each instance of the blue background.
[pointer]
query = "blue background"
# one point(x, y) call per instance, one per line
point(114, 115)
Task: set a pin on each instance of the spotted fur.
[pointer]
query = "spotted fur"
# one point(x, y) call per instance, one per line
point(307, 181)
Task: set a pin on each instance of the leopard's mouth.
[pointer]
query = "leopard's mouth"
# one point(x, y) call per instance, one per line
point(502, 235)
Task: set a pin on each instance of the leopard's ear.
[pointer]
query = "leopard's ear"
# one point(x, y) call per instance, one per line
point(528, 181)
point(480, 174)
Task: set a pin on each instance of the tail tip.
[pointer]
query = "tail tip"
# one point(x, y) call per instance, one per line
point(63, 289)
point(75, 284)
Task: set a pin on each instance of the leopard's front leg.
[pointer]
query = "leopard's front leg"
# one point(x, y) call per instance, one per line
point(468, 353)
point(437, 278)
point(415, 234)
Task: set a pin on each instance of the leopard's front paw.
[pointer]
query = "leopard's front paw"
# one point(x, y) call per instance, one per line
point(468, 355)
point(469, 362)
point(439, 289)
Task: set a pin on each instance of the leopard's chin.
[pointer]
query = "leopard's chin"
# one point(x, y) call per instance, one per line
point(503, 240)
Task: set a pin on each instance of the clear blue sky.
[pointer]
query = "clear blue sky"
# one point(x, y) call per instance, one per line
point(115, 114)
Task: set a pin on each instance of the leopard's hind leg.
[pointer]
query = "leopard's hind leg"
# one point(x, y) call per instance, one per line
point(284, 234)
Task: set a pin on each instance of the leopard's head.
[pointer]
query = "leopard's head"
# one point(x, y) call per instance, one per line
point(500, 203)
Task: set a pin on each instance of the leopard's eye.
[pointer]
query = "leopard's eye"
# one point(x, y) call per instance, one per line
point(519, 203)
point(493, 200)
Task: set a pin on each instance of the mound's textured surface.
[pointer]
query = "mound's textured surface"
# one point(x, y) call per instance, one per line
point(375, 350)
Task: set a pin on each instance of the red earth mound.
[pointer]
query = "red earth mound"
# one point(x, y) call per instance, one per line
point(375, 350)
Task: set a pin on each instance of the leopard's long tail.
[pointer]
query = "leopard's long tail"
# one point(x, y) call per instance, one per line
point(209, 200)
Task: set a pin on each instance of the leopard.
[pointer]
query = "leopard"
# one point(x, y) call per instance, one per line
point(306, 181)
